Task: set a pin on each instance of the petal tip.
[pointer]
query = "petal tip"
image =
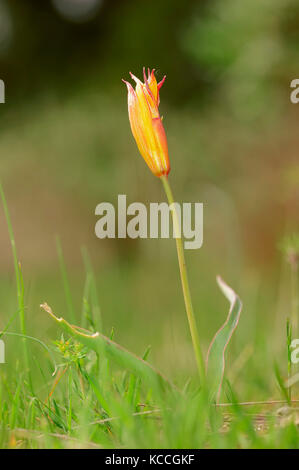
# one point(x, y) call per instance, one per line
point(161, 82)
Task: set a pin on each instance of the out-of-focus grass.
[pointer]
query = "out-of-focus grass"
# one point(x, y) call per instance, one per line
point(119, 409)
point(39, 410)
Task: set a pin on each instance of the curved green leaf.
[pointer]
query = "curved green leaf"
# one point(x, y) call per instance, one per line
point(124, 358)
point(215, 363)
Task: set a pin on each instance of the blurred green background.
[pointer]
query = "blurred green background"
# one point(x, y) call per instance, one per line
point(66, 146)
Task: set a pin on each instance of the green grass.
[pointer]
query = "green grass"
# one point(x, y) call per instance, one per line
point(63, 153)
point(69, 394)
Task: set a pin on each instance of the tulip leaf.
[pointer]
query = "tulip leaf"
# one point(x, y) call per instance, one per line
point(103, 345)
point(215, 363)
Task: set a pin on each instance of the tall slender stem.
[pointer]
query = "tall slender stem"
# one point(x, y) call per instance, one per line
point(185, 282)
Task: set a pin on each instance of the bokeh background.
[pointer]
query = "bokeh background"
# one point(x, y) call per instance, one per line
point(65, 146)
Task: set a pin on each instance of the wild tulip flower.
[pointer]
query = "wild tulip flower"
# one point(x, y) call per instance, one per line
point(146, 123)
point(148, 131)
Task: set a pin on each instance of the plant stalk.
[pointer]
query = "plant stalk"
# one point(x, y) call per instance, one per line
point(185, 282)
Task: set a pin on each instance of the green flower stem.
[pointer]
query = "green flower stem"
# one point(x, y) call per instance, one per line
point(185, 283)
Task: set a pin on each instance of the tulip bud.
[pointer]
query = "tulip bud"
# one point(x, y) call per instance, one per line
point(146, 123)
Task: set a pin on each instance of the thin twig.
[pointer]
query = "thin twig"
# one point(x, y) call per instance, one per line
point(32, 434)
point(252, 403)
point(113, 418)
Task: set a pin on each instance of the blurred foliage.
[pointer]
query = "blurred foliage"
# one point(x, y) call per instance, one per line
point(246, 52)
point(49, 51)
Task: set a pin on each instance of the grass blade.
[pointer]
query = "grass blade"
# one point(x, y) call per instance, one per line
point(66, 285)
point(19, 282)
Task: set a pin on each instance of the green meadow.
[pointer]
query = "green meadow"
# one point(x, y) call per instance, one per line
point(119, 370)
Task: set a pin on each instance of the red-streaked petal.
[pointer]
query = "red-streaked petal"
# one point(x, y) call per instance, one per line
point(152, 83)
point(136, 79)
point(144, 75)
point(161, 82)
point(131, 93)
point(162, 147)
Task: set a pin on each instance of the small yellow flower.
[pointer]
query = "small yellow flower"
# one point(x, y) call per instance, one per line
point(146, 123)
